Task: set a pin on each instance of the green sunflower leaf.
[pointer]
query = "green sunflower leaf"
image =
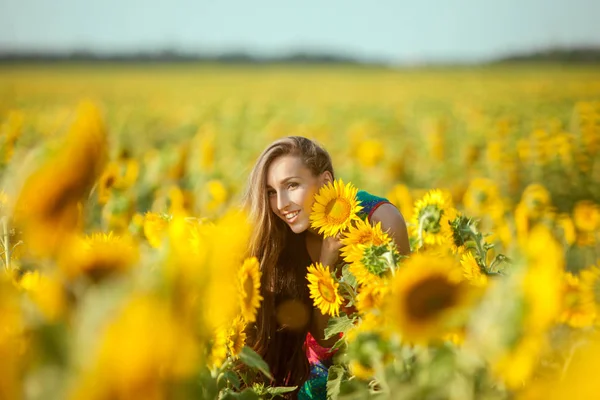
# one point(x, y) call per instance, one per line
point(338, 325)
point(253, 360)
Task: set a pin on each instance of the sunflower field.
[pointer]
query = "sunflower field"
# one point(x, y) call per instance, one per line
point(124, 269)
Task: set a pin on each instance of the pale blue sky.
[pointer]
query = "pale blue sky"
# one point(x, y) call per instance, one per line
point(399, 31)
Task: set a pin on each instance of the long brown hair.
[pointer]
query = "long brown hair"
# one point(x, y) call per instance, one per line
point(283, 261)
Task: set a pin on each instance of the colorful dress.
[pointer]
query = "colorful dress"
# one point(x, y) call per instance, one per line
point(320, 358)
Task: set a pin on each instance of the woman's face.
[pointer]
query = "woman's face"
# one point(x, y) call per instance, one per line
point(291, 188)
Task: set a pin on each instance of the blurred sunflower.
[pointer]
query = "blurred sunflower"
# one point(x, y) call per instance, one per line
point(359, 235)
point(578, 308)
point(567, 227)
point(98, 256)
point(154, 361)
point(324, 289)
point(218, 350)
point(472, 271)
point(536, 199)
point(46, 292)
point(370, 296)
point(49, 204)
point(432, 216)
point(107, 182)
point(335, 208)
point(586, 216)
point(483, 197)
point(249, 284)
point(427, 297)
point(217, 194)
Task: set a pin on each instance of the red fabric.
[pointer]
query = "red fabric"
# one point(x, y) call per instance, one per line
point(315, 352)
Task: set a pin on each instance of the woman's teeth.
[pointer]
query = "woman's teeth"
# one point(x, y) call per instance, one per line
point(291, 215)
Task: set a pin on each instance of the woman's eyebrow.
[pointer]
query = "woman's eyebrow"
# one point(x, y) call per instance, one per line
point(283, 181)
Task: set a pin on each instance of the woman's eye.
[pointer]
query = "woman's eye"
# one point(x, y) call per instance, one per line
point(292, 185)
point(270, 193)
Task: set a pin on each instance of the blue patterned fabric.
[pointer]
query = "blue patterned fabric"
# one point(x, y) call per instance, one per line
point(369, 203)
point(315, 387)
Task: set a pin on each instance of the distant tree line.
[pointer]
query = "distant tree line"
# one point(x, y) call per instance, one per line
point(572, 55)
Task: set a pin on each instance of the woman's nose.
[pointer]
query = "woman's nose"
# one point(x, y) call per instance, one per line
point(282, 200)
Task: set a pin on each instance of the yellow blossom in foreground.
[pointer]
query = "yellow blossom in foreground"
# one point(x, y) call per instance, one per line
point(12, 341)
point(427, 298)
point(131, 363)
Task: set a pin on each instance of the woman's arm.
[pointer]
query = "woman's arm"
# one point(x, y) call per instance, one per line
point(393, 223)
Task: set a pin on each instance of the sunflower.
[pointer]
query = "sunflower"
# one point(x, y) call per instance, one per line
point(431, 217)
point(578, 309)
point(249, 281)
point(472, 271)
point(355, 239)
point(370, 296)
point(107, 182)
point(362, 274)
point(586, 216)
point(335, 208)
point(48, 207)
point(237, 337)
point(536, 199)
point(324, 289)
point(483, 197)
point(99, 255)
point(426, 297)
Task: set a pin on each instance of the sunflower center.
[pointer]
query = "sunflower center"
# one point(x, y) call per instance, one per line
point(364, 238)
point(248, 289)
point(327, 292)
point(430, 297)
point(337, 211)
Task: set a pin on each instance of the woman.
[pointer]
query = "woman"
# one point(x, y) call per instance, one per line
point(279, 197)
